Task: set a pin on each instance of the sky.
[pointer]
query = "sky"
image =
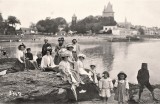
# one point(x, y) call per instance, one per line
point(138, 12)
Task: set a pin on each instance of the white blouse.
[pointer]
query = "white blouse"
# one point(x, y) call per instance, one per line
point(122, 81)
point(19, 55)
point(106, 83)
point(65, 66)
point(47, 60)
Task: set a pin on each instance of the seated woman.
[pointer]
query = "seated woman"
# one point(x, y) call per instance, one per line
point(47, 63)
point(68, 74)
point(80, 66)
point(30, 63)
point(70, 58)
point(20, 63)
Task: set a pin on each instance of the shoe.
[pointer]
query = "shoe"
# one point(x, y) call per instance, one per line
point(82, 91)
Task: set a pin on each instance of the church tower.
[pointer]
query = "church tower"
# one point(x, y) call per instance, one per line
point(74, 20)
point(108, 11)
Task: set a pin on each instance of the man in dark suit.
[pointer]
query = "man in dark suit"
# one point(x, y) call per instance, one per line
point(46, 46)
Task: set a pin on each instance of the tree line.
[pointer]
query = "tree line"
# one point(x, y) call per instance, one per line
point(8, 26)
point(53, 25)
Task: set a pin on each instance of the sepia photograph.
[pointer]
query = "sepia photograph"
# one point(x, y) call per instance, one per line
point(79, 51)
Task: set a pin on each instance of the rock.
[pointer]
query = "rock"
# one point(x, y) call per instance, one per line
point(36, 86)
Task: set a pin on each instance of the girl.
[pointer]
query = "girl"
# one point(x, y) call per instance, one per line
point(80, 66)
point(93, 73)
point(106, 86)
point(122, 87)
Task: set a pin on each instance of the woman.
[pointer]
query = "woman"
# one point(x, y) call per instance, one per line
point(67, 73)
point(80, 66)
point(70, 58)
point(47, 63)
point(20, 63)
point(60, 45)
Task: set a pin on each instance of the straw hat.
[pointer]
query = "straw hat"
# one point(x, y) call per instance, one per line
point(122, 73)
point(65, 54)
point(82, 55)
point(69, 45)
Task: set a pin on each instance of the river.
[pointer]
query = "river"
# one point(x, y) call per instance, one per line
point(114, 57)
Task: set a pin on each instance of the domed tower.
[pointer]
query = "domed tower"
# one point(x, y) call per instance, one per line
point(108, 11)
point(74, 20)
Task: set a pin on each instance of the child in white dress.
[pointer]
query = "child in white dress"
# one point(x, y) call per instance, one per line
point(106, 86)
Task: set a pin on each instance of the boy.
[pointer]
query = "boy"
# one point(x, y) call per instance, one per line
point(143, 80)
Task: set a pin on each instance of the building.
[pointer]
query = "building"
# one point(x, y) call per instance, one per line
point(74, 20)
point(108, 11)
point(124, 31)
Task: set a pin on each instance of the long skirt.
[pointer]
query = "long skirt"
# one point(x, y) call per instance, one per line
point(18, 66)
point(29, 65)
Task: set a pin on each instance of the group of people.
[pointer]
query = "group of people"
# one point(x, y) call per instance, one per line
point(121, 85)
point(68, 62)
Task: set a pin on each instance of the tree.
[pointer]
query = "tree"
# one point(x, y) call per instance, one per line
point(51, 25)
point(13, 20)
point(93, 24)
point(141, 31)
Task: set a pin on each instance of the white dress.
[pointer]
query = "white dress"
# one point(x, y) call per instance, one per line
point(65, 66)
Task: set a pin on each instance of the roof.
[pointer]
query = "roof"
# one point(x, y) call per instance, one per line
point(108, 8)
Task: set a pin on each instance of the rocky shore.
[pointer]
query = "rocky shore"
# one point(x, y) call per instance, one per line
point(34, 86)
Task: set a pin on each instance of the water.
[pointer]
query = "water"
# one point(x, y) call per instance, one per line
point(114, 57)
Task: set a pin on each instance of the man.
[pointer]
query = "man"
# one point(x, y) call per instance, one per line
point(76, 49)
point(143, 80)
point(59, 46)
point(45, 47)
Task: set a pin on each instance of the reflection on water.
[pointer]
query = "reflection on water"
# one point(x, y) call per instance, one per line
point(114, 57)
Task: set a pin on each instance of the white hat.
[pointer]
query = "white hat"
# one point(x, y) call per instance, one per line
point(64, 54)
point(69, 45)
point(82, 55)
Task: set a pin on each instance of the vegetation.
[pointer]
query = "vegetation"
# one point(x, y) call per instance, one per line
point(8, 26)
point(93, 24)
point(51, 25)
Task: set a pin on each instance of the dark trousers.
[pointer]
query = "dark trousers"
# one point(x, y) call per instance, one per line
point(148, 86)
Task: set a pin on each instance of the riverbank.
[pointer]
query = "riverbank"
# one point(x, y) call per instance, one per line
point(45, 87)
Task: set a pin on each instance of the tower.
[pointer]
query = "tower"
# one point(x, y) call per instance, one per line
point(108, 11)
point(74, 20)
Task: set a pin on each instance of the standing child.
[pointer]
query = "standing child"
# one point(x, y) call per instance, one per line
point(143, 81)
point(106, 86)
point(122, 87)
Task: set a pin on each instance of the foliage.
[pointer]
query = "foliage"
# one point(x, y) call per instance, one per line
point(94, 24)
point(141, 31)
point(50, 25)
point(13, 20)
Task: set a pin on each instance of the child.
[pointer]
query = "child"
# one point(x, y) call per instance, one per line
point(93, 73)
point(143, 80)
point(106, 86)
point(29, 55)
point(30, 63)
point(122, 87)
point(39, 59)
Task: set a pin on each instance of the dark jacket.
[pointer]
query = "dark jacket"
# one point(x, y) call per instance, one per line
point(29, 56)
point(143, 76)
point(44, 48)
